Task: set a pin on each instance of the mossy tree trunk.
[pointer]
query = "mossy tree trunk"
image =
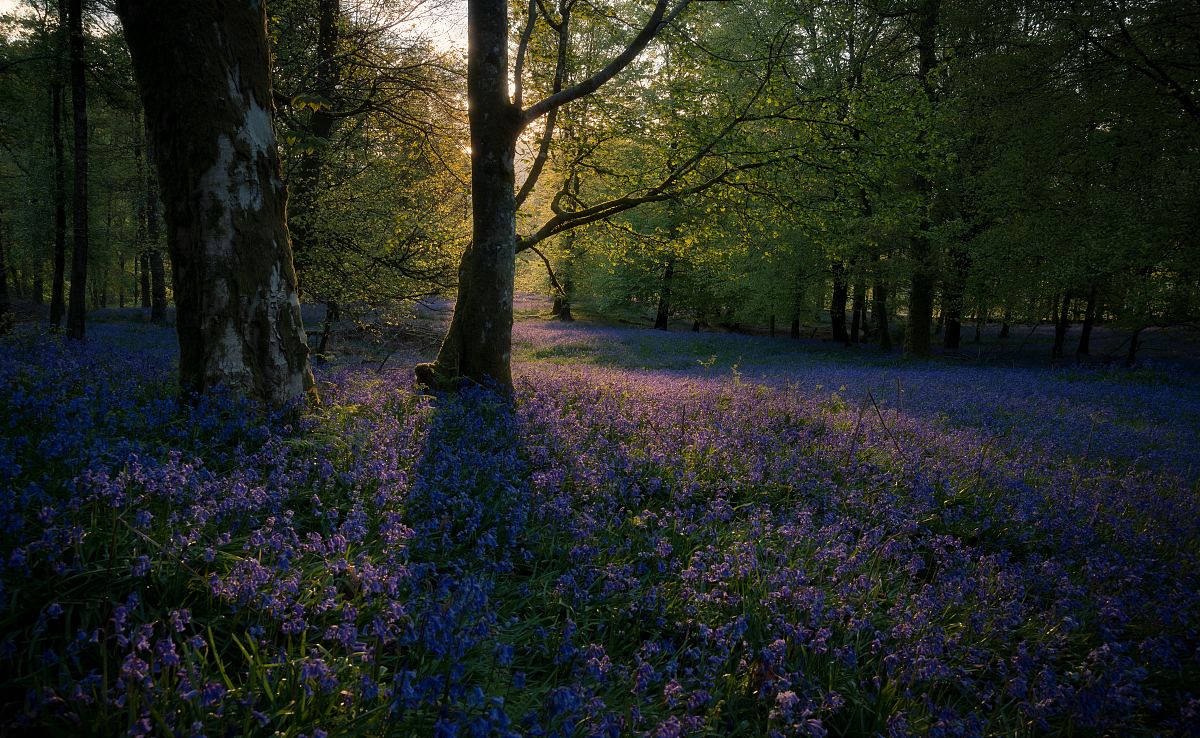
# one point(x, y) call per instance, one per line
point(203, 72)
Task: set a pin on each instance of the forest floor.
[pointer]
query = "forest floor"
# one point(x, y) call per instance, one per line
point(665, 534)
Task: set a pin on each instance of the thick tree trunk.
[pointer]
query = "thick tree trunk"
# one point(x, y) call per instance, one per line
point(203, 71)
point(478, 343)
point(920, 306)
point(76, 307)
point(1060, 325)
point(154, 255)
point(1089, 320)
point(837, 305)
point(795, 326)
point(662, 318)
point(58, 301)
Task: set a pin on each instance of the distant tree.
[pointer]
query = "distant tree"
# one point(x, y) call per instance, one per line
point(237, 310)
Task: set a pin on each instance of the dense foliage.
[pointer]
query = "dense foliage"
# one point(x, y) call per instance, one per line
point(714, 536)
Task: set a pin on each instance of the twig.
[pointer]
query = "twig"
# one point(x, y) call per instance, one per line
point(886, 429)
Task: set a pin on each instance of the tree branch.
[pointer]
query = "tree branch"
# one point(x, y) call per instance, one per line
point(658, 19)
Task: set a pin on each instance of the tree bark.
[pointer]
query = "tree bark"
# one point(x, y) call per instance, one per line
point(478, 343)
point(203, 72)
point(76, 306)
point(795, 326)
point(662, 318)
point(837, 305)
point(144, 265)
point(1089, 320)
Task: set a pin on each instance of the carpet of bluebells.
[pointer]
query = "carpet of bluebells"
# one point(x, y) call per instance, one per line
point(663, 535)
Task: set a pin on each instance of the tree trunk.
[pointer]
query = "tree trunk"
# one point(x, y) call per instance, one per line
point(76, 307)
point(158, 287)
point(478, 343)
point(4, 305)
point(796, 326)
point(1060, 325)
point(154, 255)
point(1089, 320)
point(952, 308)
point(980, 321)
point(203, 72)
point(663, 317)
point(837, 305)
point(1004, 321)
point(307, 181)
point(857, 324)
point(920, 306)
point(880, 310)
point(332, 312)
point(144, 266)
point(58, 285)
point(772, 325)
point(1131, 354)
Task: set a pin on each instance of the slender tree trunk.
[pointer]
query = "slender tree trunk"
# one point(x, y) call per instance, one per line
point(58, 285)
point(837, 305)
point(238, 314)
point(76, 307)
point(39, 288)
point(333, 312)
point(562, 302)
point(880, 309)
point(158, 287)
point(952, 308)
point(795, 326)
point(981, 319)
point(1060, 325)
point(1004, 321)
point(5, 318)
point(144, 265)
point(1131, 354)
point(663, 316)
point(478, 343)
point(772, 325)
point(1089, 320)
point(858, 324)
point(307, 181)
